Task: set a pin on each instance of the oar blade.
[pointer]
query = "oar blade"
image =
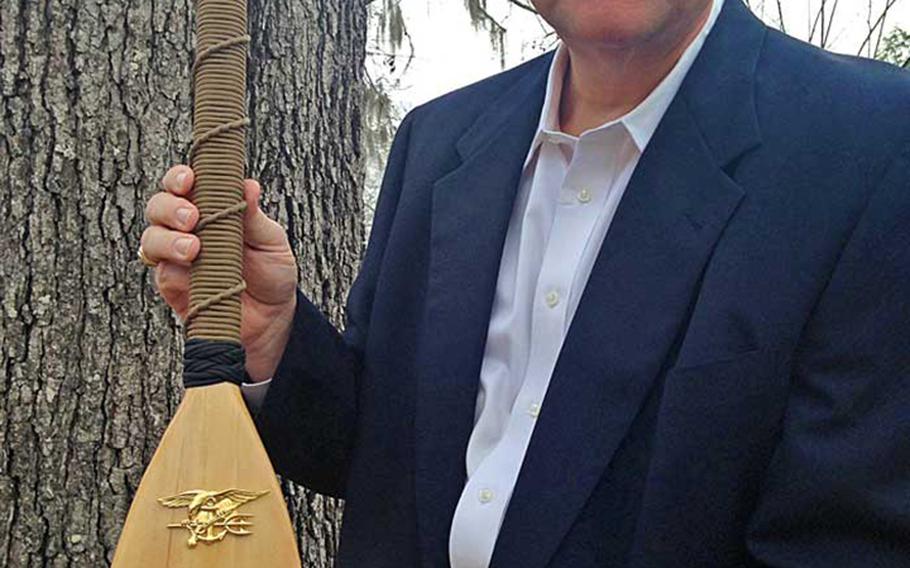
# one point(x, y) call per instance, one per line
point(209, 496)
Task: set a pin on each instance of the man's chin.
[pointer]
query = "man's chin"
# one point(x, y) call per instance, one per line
point(614, 23)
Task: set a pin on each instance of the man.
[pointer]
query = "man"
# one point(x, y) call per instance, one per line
point(644, 301)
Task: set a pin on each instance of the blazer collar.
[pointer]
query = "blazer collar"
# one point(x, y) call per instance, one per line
point(720, 87)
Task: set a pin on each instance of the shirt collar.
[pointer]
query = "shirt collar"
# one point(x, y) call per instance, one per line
point(641, 121)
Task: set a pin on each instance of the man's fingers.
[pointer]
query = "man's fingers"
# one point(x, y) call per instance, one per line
point(173, 283)
point(171, 211)
point(260, 232)
point(161, 244)
point(178, 180)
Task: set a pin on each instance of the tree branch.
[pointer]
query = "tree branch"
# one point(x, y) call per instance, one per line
point(780, 16)
point(523, 6)
point(878, 22)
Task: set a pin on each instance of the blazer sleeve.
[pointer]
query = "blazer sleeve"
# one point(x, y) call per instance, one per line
point(308, 419)
point(837, 492)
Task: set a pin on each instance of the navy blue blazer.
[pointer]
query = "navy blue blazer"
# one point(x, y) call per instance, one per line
point(734, 389)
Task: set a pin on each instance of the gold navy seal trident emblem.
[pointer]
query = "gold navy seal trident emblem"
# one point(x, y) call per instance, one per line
point(211, 515)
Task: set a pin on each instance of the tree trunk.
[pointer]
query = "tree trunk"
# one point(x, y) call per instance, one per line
point(94, 106)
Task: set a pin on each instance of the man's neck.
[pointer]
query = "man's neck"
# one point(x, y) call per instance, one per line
point(602, 83)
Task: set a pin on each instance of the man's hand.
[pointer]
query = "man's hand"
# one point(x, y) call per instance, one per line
point(269, 267)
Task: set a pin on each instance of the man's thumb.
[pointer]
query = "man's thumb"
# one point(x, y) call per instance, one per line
point(258, 230)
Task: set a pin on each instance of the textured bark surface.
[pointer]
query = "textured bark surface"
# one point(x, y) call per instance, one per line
point(94, 106)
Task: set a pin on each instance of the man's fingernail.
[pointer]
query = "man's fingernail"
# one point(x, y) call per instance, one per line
point(183, 245)
point(181, 177)
point(183, 215)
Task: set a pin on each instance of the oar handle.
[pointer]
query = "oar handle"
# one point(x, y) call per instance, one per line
point(218, 158)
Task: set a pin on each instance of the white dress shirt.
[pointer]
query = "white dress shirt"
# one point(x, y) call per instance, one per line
point(569, 191)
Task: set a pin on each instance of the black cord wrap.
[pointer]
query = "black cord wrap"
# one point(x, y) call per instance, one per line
point(208, 362)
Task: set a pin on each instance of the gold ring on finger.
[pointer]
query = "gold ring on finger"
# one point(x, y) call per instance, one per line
point(144, 259)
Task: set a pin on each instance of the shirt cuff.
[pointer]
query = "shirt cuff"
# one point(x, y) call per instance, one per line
point(254, 394)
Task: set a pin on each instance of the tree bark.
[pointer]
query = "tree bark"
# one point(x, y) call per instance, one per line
point(94, 107)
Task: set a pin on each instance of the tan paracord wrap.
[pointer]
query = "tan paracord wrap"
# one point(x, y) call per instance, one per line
point(218, 156)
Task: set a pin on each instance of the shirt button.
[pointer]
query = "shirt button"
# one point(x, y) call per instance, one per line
point(534, 410)
point(584, 196)
point(552, 298)
point(485, 495)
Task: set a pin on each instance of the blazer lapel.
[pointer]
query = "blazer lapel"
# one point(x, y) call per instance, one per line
point(471, 209)
point(639, 295)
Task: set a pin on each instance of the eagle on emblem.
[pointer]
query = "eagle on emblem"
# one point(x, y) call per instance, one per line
point(211, 515)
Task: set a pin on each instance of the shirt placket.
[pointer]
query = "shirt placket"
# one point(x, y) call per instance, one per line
point(488, 489)
point(581, 194)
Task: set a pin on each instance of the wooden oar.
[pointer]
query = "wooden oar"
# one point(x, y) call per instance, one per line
point(210, 496)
